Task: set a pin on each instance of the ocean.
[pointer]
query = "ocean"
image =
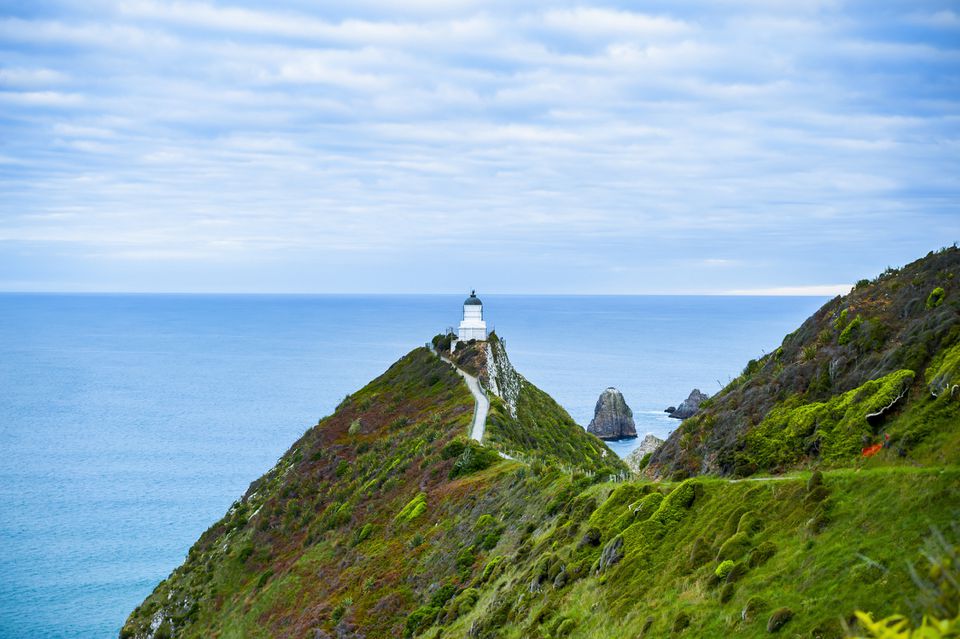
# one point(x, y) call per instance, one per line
point(130, 423)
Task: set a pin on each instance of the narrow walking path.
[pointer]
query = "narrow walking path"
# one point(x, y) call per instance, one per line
point(482, 406)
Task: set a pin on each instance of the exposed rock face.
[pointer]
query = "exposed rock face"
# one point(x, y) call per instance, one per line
point(502, 377)
point(612, 418)
point(689, 406)
point(649, 444)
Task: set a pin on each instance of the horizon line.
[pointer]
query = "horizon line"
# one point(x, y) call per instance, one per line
point(812, 291)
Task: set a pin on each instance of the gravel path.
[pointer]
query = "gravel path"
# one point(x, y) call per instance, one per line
point(482, 407)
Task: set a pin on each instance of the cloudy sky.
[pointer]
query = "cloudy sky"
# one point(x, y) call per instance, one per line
point(538, 147)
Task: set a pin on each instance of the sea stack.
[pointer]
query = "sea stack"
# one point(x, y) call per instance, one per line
point(689, 406)
point(612, 418)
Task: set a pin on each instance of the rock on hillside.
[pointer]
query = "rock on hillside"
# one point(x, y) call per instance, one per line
point(873, 364)
point(612, 418)
point(689, 406)
point(649, 445)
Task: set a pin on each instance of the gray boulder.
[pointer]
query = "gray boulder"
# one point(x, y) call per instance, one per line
point(690, 405)
point(612, 418)
point(649, 444)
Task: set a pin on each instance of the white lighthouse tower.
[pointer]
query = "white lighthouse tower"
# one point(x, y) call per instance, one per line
point(472, 326)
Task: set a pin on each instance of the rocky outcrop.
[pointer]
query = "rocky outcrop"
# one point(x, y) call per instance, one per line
point(503, 379)
point(612, 418)
point(689, 406)
point(649, 444)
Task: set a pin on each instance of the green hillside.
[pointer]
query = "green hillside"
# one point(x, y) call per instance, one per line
point(384, 520)
point(879, 365)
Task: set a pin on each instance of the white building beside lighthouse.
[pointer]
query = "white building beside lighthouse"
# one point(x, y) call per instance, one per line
point(472, 326)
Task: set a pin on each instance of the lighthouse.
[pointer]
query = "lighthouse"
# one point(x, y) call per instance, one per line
point(472, 326)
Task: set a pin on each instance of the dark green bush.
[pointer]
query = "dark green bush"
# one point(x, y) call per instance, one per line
point(828, 629)
point(750, 523)
point(453, 449)
point(565, 628)
point(419, 620)
point(737, 572)
point(590, 538)
point(264, 578)
point(466, 559)
point(442, 595)
point(699, 552)
point(727, 592)
point(761, 554)
point(779, 619)
point(473, 458)
point(734, 547)
point(753, 607)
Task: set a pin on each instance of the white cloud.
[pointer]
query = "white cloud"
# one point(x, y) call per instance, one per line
point(41, 98)
point(20, 77)
point(601, 22)
point(603, 139)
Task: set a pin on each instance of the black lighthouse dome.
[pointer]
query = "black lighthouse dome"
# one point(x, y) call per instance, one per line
point(473, 300)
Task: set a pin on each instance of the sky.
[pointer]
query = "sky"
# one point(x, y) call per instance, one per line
point(366, 146)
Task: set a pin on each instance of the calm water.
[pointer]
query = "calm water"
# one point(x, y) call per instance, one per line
point(129, 423)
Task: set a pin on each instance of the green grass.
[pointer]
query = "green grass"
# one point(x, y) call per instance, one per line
point(876, 518)
point(403, 527)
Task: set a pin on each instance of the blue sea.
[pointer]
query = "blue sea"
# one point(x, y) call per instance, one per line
point(130, 423)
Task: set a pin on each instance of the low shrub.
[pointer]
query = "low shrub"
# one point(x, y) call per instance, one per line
point(465, 559)
point(419, 620)
point(779, 619)
point(491, 569)
point(699, 552)
point(724, 569)
point(264, 578)
point(474, 458)
point(442, 595)
point(935, 298)
point(737, 572)
point(753, 607)
point(727, 592)
point(565, 628)
point(414, 508)
point(847, 334)
point(361, 534)
point(828, 629)
point(591, 538)
point(734, 547)
point(750, 523)
point(681, 621)
point(761, 554)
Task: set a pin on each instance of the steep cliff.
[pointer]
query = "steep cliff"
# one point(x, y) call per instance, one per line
point(870, 368)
